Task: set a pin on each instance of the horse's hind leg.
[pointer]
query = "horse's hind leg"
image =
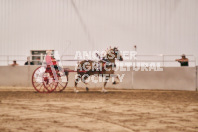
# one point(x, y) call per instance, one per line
point(76, 83)
point(105, 83)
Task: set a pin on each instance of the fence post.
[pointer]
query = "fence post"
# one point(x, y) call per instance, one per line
point(8, 59)
point(163, 60)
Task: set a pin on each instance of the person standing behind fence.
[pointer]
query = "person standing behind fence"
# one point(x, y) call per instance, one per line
point(14, 63)
point(183, 61)
point(28, 62)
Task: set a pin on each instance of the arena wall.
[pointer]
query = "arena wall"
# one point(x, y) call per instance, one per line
point(197, 78)
point(171, 78)
point(18, 76)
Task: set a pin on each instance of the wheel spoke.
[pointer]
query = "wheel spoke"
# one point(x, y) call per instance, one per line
point(38, 85)
point(61, 84)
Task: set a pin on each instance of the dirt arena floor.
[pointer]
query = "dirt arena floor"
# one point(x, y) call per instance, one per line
point(93, 111)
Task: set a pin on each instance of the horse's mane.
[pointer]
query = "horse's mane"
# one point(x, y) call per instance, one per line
point(108, 50)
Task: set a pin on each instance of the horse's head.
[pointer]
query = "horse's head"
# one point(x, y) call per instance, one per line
point(117, 54)
point(114, 53)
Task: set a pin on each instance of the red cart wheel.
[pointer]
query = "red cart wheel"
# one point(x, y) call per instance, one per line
point(62, 84)
point(42, 81)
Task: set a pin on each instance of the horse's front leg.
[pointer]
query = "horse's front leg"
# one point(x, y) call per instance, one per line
point(116, 79)
point(105, 83)
point(84, 78)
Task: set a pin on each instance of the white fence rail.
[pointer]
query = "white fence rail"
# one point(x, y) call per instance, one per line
point(68, 60)
point(163, 60)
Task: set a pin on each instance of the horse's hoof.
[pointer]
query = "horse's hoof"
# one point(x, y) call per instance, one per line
point(114, 82)
point(104, 91)
point(76, 91)
point(87, 89)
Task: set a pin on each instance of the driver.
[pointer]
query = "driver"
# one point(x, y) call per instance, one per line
point(51, 61)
